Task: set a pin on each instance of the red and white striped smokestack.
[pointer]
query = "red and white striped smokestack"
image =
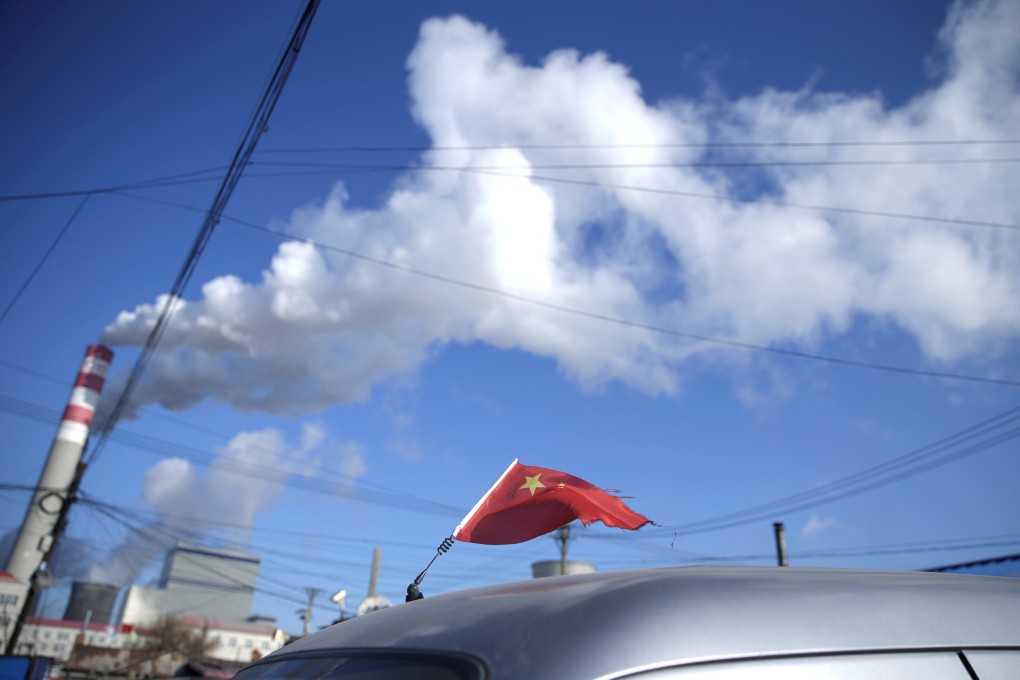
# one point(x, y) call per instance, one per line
point(36, 533)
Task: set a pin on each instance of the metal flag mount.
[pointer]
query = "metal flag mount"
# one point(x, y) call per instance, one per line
point(413, 592)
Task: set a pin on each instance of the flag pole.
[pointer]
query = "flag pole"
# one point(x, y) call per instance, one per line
point(413, 590)
point(481, 500)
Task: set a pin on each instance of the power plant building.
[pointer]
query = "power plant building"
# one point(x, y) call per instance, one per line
point(92, 602)
point(197, 581)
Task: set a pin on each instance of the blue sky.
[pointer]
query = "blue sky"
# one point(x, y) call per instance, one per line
point(601, 188)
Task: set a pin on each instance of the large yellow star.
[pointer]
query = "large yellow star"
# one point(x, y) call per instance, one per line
point(532, 483)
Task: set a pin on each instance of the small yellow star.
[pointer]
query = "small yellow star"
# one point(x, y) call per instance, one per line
point(532, 483)
point(562, 484)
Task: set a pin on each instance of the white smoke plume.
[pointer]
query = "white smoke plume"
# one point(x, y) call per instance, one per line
point(223, 504)
point(322, 328)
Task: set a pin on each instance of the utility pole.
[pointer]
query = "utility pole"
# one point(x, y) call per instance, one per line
point(780, 544)
point(312, 592)
point(562, 540)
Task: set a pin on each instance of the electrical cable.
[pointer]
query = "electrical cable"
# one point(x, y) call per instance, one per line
point(678, 145)
point(172, 527)
point(164, 537)
point(911, 457)
point(167, 530)
point(386, 497)
point(319, 536)
point(47, 415)
point(922, 460)
point(167, 181)
point(169, 535)
point(493, 171)
point(259, 123)
point(827, 554)
point(874, 477)
point(753, 201)
point(594, 315)
point(632, 324)
point(43, 259)
point(634, 166)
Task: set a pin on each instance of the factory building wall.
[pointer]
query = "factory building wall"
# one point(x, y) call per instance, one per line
point(13, 592)
point(197, 581)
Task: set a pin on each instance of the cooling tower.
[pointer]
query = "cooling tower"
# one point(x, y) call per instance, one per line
point(555, 568)
point(99, 598)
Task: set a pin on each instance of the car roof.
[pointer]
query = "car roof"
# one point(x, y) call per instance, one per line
point(593, 625)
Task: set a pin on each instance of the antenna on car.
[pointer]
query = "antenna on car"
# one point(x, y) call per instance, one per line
point(413, 592)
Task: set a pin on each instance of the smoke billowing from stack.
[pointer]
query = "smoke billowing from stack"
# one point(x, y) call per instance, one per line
point(36, 533)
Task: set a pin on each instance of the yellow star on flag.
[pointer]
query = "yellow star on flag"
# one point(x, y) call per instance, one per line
point(532, 483)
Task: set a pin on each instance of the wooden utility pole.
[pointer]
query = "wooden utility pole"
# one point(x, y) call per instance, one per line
point(312, 592)
point(562, 540)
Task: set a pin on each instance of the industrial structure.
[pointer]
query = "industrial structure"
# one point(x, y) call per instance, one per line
point(197, 581)
point(56, 488)
point(92, 602)
point(207, 590)
point(51, 495)
point(546, 568)
point(562, 566)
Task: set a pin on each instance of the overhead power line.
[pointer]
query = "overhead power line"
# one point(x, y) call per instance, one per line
point(160, 534)
point(152, 522)
point(304, 537)
point(196, 176)
point(971, 440)
point(341, 486)
point(501, 171)
point(48, 415)
point(633, 324)
point(840, 553)
point(167, 181)
point(496, 171)
point(595, 315)
point(259, 123)
point(39, 265)
point(755, 201)
point(677, 145)
point(363, 167)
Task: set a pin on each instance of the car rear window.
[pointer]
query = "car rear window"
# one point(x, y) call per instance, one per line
point(365, 666)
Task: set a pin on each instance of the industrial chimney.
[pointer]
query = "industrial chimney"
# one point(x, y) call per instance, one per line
point(36, 533)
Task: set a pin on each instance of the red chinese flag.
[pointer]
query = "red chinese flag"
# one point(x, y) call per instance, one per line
point(529, 501)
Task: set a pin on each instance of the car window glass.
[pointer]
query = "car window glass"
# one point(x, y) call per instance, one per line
point(995, 664)
point(898, 666)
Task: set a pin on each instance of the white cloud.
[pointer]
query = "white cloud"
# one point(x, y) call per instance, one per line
point(321, 328)
point(816, 525)
point(408, 451)
point(352, 462)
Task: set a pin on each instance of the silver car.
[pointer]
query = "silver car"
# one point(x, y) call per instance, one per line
point(688, 623)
